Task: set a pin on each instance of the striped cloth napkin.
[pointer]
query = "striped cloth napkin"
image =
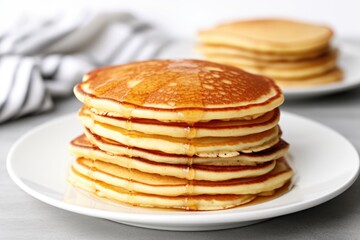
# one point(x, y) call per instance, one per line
point(44, 58)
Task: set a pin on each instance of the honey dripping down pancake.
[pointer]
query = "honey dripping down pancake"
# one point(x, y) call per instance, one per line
point(182, 134)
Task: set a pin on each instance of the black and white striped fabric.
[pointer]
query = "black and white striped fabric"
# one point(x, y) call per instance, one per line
point(43, 58)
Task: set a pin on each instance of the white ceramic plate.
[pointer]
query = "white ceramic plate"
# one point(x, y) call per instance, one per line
point(325, 163)
point(349, 61)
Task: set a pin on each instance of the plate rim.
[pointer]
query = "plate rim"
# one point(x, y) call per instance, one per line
point(185, 218)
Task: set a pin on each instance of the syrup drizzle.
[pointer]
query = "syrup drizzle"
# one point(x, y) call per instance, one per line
point(190, 117)
point(190, 176)
point(128, 124)
point(188, 203)
point(129, 185)
point(91, 173)
point(190, 131)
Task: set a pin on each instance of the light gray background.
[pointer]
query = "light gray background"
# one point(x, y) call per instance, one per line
point(184, 18)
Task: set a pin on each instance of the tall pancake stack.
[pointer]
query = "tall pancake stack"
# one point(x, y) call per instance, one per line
point(183, 134)
point(294, 54)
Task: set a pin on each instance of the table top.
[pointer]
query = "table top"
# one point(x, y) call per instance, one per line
point(23, 217)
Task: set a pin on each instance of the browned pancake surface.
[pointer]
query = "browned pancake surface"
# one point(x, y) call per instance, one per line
point(173, 84)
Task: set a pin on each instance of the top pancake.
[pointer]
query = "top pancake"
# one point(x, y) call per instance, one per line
point(178, 90)
point(269, 35)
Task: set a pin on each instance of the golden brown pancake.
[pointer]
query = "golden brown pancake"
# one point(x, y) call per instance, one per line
point(211, 50)
point(244, 159)
point(294, 54)
point(284, 70)
point(185, 134)
point(196, 146)
point(322, 60)
point(82, 148)
point(178, 90)
point(332, 76)
point(215, 128)
point(137, 181)
point(196, 203)
point(269, 35)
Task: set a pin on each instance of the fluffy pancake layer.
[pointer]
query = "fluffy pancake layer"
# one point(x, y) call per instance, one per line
point(82, 148)
point(231, 51)
point(196, 146)
point(282, 69)
point(195, 203)
point(181, 134)
point(176, 193)
point(178, 90)
point(269, 35)
point(115, 148)
point(334, 75)
point(137, 181)
point(292, 53)
point(215, 128)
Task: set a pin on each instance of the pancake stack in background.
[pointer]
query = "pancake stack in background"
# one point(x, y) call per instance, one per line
point(183, 134)
point(294, 54)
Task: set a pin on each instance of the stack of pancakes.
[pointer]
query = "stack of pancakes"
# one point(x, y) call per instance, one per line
point(294, 54)
point(184, 134)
